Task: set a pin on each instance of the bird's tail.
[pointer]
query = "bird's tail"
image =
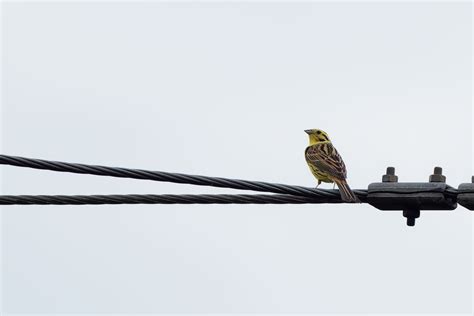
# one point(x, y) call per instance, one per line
point(347, 195)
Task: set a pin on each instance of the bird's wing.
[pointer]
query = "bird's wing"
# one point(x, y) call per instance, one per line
point(326, 158)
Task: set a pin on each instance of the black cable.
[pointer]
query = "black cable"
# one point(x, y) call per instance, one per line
point(162, 199)
point(285, 194)
point(175, 178)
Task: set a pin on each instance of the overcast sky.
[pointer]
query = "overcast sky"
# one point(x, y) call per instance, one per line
point(227, 90)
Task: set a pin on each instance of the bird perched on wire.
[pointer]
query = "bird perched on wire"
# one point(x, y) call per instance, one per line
point(326, 164)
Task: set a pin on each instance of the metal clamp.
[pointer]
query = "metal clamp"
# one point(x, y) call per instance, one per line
point(466, 194)
point(411, 197)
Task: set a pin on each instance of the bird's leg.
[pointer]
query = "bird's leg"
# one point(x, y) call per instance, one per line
point(334, 185)
point(319, 182)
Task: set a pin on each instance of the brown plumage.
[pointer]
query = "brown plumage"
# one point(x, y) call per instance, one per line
point(326, 163)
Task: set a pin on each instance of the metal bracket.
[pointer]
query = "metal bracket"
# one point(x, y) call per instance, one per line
point(411, 197)
point(466, 195)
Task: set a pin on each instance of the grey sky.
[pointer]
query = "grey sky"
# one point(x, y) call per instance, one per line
point(227, 90)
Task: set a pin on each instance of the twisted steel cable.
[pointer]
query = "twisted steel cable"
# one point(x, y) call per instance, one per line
point(175, 178)
point(161, 199)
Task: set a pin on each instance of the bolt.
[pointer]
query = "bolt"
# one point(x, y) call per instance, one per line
point(390, 176)
point(411, 215)
point(410, 221)
point(437, 175)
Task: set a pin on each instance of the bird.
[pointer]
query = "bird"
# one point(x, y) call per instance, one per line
point(326, 164)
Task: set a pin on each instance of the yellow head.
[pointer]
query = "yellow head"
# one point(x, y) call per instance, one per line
point(316, 136)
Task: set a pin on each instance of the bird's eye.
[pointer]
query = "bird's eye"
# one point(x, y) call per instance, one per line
point(318, 132)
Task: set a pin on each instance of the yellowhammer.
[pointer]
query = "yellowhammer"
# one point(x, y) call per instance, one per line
point(326, 164)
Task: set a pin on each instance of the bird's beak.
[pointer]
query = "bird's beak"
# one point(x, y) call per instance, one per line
point(307, 131)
